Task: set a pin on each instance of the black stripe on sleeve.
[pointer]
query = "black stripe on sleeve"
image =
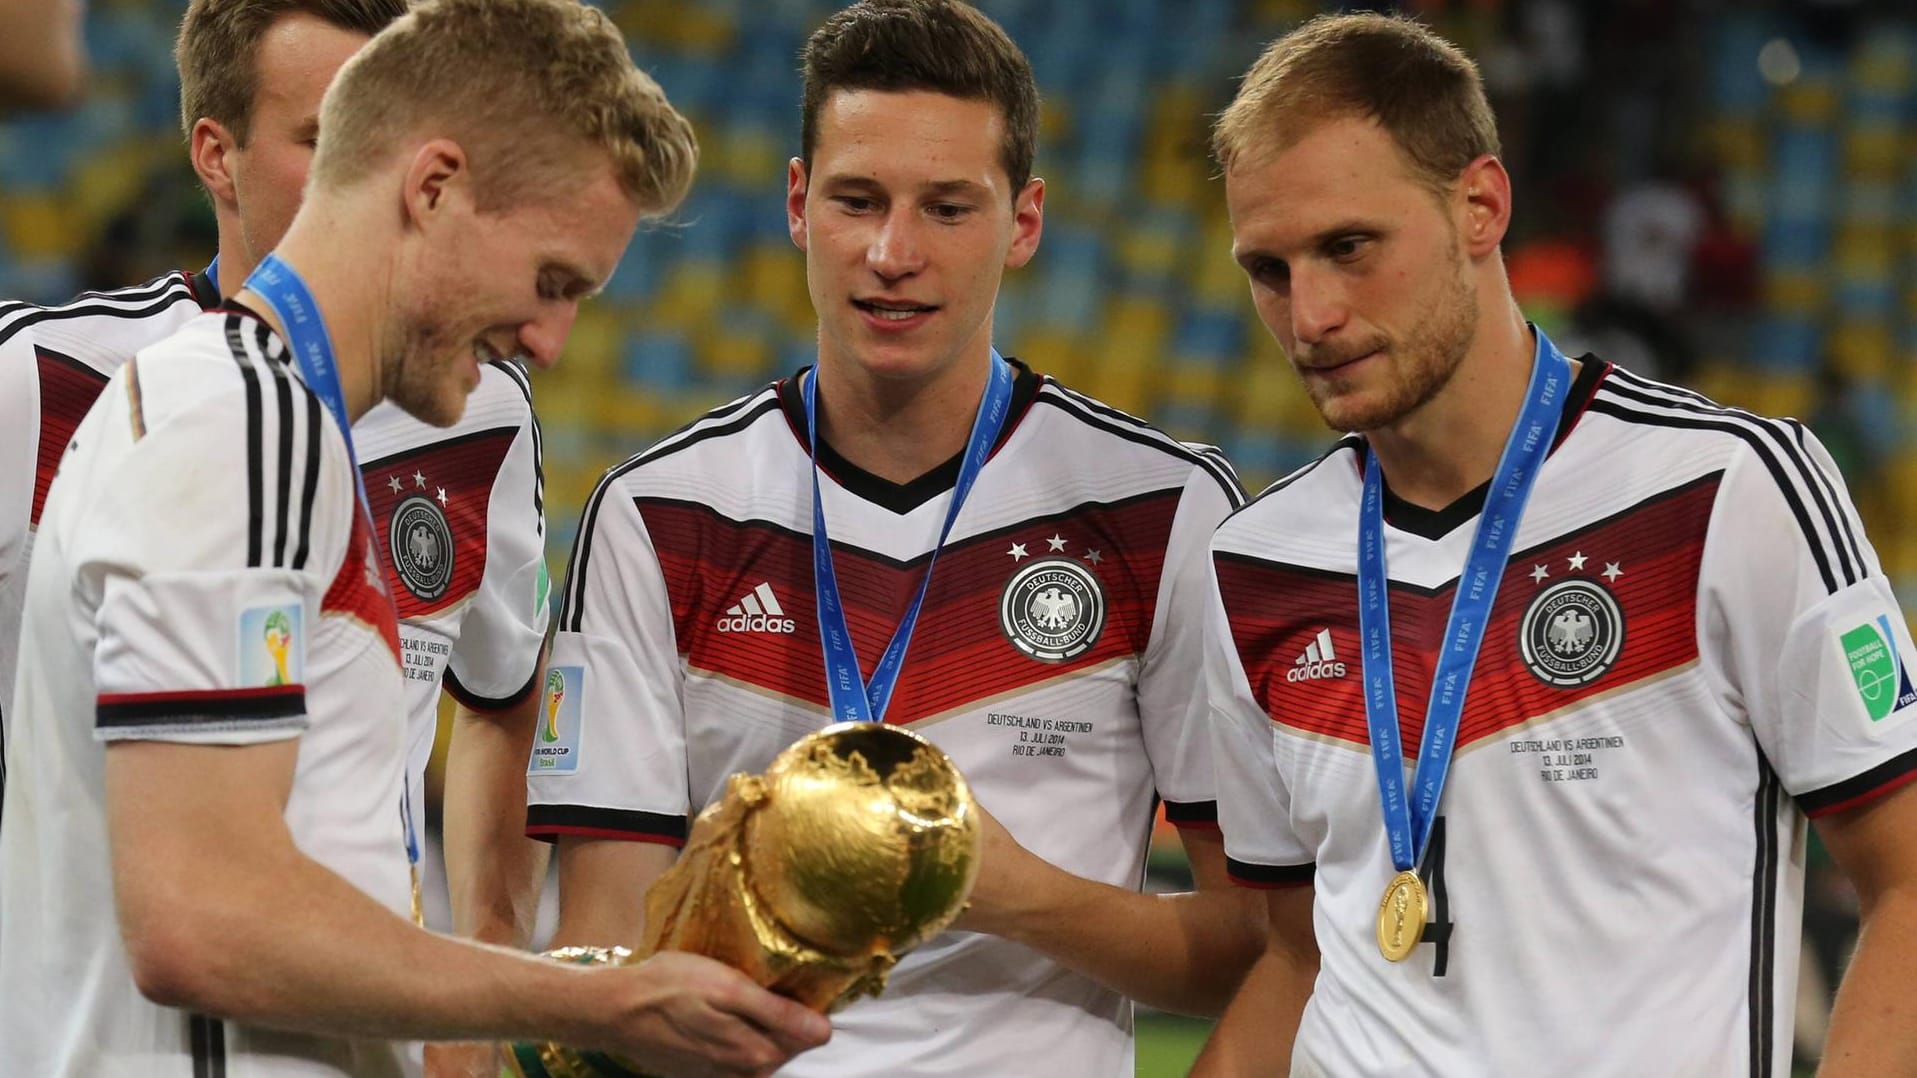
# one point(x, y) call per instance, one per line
point(1859, 789)
point(1267, 877)
point(1192, 813)
point(309, 488)
point(1763, 1001)
point(255, 465)
point(207, 1037)
point(188, 709)
point(283, 475)
point(476, 702)
point(517, 373)
point(550, 821)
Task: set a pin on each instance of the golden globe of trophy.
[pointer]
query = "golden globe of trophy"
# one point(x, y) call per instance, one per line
point(860, 842)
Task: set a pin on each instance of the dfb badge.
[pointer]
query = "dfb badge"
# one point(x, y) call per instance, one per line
point(1052, 610)
point(1571, 633)
point(422, 546)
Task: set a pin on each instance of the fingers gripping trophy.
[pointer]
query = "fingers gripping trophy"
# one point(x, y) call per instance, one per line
point(860, 842)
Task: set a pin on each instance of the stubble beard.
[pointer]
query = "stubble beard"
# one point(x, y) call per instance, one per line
point(420, 382)
point(1421, 365)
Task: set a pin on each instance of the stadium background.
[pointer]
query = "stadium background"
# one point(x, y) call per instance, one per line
point(1718, 194)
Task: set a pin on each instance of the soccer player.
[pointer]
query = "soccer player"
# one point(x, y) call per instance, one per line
point(209, 872)
point(457, 511)
point(43, 56)
point(1643, 635)
point(1038, 581)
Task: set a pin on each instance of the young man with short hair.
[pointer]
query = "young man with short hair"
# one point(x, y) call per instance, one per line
point(212, 870)
point(1642, 635)
point(1050, 535)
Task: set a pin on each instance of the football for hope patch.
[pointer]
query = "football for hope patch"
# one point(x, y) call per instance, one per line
point(556, 744)
point(1877, 669)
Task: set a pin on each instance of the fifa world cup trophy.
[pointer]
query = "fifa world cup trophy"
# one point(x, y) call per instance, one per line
point(860, 842)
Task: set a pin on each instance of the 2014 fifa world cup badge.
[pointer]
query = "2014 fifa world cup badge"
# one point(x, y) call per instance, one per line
point(1052, 609)
point(556, 744)
point(272, 646)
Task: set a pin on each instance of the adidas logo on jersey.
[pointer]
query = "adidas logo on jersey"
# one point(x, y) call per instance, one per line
point(1319, 661)
point(758, 612)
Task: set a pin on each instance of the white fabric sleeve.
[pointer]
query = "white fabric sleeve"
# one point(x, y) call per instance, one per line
point(609, 760)
point(1799, 630)
point(1254, 804)
point(204, 603)
point(496, 658)
point(1171, 675)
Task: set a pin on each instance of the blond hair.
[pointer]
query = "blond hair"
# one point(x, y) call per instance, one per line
point(523, 86)
point(1423, 90)
point(218, 51)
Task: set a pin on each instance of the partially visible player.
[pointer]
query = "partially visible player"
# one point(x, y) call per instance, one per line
point(43, 60)
point(1642, 634)
point(204, 863)
point(1046, 659)
point(459, 512)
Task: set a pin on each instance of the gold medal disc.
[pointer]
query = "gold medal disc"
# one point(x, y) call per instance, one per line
point(1401, 916)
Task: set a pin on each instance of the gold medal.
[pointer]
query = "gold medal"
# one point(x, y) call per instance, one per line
point(1401, 916)
point(419, 905)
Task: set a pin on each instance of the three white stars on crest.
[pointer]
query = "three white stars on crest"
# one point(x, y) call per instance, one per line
point(1057, 543)
point(1576, 561)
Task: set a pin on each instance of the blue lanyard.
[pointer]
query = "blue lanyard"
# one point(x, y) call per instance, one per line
point(213, 272)
point(283, 290)
point(853, 698)
point(1408, 825)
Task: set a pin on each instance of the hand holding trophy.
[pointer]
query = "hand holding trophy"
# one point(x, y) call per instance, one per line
point(860, 842)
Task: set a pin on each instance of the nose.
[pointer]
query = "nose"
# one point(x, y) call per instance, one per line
point(895, 250)
point(541, 339)
point(1317, 304)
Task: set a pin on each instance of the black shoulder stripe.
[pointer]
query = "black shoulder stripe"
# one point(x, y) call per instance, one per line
point(1132, 429)
point(1817, 480)
point(151, 298)
point(283, 473)
point(1827, 565)
point(309, 487)
point(255, 464)
point(1771, 440)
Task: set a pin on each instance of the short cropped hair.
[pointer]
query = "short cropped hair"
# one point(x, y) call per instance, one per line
point(523, 86)
point(219, 43)
point(1423, 90)
point(942, 46)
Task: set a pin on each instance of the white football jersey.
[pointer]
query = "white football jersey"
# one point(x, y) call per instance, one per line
point(1046, 663)
point(459, 516)
point(203, 575)
point(53, 363)
point(1692, 649)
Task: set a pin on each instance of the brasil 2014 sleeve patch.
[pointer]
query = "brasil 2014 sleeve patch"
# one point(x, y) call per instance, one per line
point(1877, 668)
point(272, 646)
point(556, 745)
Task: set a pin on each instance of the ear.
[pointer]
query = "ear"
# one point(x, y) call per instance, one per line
point(210, 149)
point(439, 180)
point(1028, 221)
point(796, 183)
point(1484, 189)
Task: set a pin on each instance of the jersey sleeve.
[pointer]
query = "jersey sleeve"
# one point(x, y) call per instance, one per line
point(496, 658)
point(609, 760)
point(1800, 630)
point(1254, 804)
point(204, 555)
point(1172, 671)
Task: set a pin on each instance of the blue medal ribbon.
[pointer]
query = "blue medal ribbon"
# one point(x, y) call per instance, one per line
point(1408, 822)
point(852, 697)
point(281, 287)
point(213, 272)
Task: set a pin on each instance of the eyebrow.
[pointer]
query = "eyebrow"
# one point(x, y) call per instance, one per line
point(1316, 241)
point(936, 188)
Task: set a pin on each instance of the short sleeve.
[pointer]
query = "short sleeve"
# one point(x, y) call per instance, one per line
point(1254, 804)
point(1801, 632)
point(204, 555)
point(1171, 676)
point(496, 658)
point(609, 760)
